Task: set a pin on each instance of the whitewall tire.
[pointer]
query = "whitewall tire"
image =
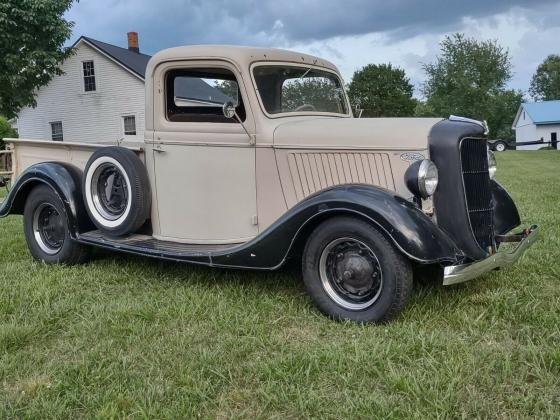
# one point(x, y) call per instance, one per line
point(116, 191)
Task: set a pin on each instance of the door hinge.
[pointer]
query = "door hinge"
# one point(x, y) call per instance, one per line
point(252, 139)
point(255, 220)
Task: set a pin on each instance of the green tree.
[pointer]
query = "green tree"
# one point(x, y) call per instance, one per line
point(469, 78)
point(6, 131)
point(382, 90)
point(228, 88)
point(32, 37)
point(501, 113)
point(319, 92)
point(545, 84)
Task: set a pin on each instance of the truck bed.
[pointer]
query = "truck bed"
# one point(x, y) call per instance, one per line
point(27, 152)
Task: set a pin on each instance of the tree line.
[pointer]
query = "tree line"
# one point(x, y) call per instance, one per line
point(468, 78)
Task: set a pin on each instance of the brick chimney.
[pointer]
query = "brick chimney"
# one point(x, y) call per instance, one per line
point(133, 41)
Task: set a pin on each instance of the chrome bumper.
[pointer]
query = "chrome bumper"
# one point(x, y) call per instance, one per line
point(460, 273)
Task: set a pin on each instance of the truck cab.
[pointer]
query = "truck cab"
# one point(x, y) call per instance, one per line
point(251, 157)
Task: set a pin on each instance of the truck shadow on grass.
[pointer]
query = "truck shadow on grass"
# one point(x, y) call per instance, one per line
point(285, 279)
point(429, 296)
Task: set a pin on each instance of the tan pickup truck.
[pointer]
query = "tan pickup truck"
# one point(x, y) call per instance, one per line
point(267, 165)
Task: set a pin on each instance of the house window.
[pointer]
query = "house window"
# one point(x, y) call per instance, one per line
point(56, 131)
point(129, 125)
point(198, 95)
point(89, 76)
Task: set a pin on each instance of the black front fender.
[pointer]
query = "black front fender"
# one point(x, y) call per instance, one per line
point(412, 232)
point(64, 179)
point(506, 216)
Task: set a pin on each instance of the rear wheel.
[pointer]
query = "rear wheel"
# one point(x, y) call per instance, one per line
point(352, 272)
point(46, 229)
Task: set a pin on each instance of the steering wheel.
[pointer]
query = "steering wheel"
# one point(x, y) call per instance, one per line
point(305, 107)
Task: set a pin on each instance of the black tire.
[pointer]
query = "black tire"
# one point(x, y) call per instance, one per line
point(122, 207)
point(46, 229)
point(368, 259)
point(500, 146)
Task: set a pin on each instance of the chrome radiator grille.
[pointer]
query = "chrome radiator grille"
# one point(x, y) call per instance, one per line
point(476, 179)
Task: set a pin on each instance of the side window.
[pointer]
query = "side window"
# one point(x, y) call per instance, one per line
point(197, 95)
point(56, 131)
point(89, 76)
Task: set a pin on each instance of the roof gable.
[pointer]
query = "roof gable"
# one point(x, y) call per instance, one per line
point(135, 63)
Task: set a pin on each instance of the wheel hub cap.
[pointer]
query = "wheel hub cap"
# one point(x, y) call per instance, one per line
point(109, 191)
point(48, 228)
point(350, 273)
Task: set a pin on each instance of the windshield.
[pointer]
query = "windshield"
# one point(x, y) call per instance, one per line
point(285, 89)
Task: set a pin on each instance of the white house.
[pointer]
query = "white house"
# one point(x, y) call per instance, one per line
point(537, 121)
point(99, 98)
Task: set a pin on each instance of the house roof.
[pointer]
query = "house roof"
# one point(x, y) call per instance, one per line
point(541, 113)
point(133, 61)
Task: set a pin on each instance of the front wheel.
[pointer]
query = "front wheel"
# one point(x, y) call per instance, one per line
point(46, 229)
point(352, 272)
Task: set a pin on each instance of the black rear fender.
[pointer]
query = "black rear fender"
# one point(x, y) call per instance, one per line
point(64, 179)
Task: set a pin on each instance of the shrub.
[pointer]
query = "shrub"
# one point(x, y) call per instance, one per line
point(6, 131)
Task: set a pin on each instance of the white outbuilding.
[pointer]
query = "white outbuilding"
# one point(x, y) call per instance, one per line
point(537, 122)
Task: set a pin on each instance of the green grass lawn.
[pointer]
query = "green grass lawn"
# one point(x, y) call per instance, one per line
point(131, 337)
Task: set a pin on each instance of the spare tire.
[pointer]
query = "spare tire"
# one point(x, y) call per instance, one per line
point(116, 191)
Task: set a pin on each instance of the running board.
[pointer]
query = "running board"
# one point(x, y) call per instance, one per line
point(149, 246)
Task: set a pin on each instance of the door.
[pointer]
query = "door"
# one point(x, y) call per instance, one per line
point(553, 140)
point(204, 163)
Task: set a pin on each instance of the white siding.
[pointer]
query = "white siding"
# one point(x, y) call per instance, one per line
point(527, 132)
point(545, 131)
point(87, 117)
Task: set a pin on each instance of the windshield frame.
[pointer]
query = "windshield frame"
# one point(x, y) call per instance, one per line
point(305, 66)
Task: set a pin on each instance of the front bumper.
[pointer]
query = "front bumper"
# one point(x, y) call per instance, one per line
point(464, 272)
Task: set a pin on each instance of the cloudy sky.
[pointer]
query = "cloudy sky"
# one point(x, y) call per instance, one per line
point(350, 33)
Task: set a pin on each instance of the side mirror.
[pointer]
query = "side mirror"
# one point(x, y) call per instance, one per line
point(359, 111)
point(229, 110)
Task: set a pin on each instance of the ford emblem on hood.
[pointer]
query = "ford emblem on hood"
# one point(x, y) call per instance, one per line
point(412, 156)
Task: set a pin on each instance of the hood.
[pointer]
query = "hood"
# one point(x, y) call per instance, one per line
point(359, 133)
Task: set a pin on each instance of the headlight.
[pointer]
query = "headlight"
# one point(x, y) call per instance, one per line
point(422, 178)
point(492, 164)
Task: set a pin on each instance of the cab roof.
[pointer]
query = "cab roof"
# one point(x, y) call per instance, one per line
point(242, 56)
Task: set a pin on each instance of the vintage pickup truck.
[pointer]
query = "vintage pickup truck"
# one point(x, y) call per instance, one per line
point(267, 165)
